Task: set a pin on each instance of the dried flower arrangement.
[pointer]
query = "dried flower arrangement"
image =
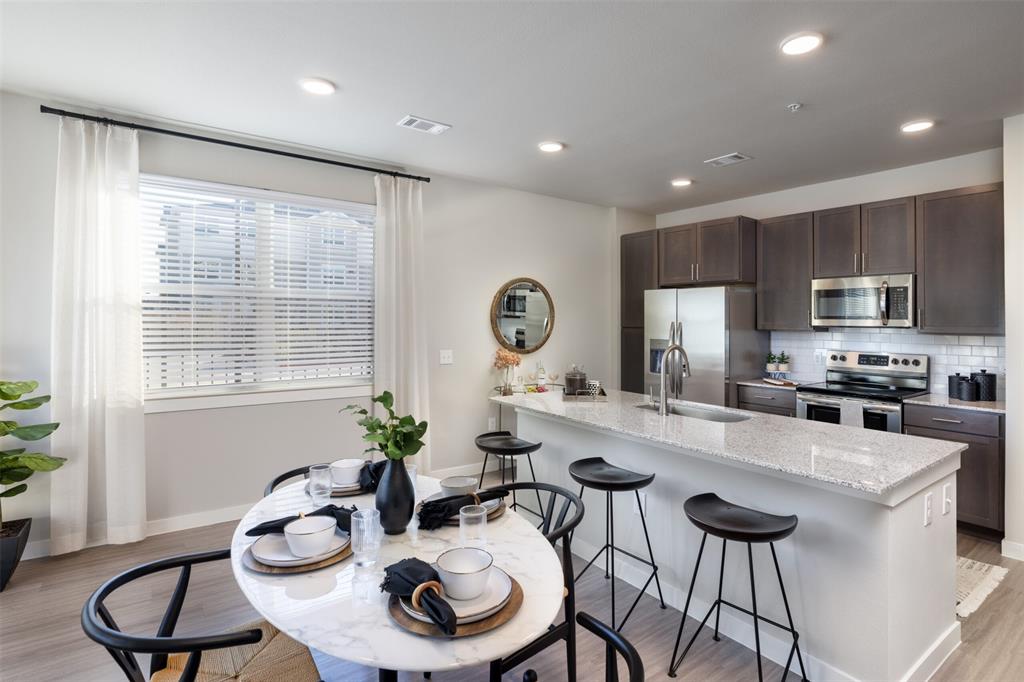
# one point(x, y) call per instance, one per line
point(506, 360)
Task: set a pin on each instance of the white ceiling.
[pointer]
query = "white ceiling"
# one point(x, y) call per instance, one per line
point(641, 92)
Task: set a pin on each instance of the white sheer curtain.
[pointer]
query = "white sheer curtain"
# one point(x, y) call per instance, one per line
point(96, 333)
point(400, 338)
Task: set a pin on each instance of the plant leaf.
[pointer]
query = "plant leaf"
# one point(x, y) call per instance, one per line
point(7, 426)
point(385, 399)
point(10, 453)
point(412, 448)
point(357, 409)
point(14, 475)
point(37, 461)
point(27, 403)
point(34, 431)
point(16, 490)
point(12, 390)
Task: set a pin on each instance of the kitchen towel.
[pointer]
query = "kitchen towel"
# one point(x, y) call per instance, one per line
point(851, 413)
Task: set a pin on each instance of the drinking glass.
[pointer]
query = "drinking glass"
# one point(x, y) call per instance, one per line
point(367, 535)
point(473, 525)
point(320, 484)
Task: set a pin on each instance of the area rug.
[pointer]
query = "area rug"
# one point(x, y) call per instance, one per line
point(975, 580)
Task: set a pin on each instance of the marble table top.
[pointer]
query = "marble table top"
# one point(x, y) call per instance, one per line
point(873, 464)
point(340, 610)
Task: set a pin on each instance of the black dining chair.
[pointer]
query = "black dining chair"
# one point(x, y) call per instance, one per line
point(614, 642)
point(257, 652)
point(556, 525)
point(278, 480)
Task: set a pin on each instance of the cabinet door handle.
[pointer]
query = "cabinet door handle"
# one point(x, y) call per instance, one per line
point(855, 262)
point(947, 421)
point(698, 272)
point(863, 263)
point(920, 317)
point(765, 397)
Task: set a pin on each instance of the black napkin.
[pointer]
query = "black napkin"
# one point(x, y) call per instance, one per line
point(369, 475)
point(403, 578)
point(433, 514)
point(343, 516)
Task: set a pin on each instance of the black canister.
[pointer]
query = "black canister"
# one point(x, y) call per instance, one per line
point(986, 384)
point(954, 384)
point(968, 390)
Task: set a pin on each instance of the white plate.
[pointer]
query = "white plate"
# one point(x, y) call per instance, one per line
point(336, 489)
point(272, 550)
point(493, 599)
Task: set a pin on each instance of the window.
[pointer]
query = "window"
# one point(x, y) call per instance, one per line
point(252, 288)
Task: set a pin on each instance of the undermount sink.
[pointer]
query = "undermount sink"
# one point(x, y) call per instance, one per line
point(707, 414)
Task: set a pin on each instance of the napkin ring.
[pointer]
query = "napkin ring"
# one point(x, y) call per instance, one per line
point(476, 499)
point(431, 584)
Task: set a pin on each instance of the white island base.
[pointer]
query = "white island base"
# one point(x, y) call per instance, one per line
point(872, 589)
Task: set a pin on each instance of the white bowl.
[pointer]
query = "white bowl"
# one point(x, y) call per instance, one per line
point(458, 485)
point(346, 471)
point(464, 571)
point(310, 536)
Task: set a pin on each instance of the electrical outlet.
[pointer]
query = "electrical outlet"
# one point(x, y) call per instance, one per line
point(819, 356)
point(928, 508)
point(447, 357)
point(492, 424)
point(641, 506)
point(947, 498)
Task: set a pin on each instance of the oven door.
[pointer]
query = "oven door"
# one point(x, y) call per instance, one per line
point(877, 301)
point(877, 416)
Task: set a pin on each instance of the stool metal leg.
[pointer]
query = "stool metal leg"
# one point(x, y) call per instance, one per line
point(721, 575)
point(673, 663)
point(753, 602)
point(483, 470)
point(607, 525)
point(540, 507)
point(650, 552)
point(789, 617)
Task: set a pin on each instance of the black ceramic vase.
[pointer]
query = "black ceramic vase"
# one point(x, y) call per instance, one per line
point(395, 499)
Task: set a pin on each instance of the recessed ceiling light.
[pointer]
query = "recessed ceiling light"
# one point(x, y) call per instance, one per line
point(551, 147)
point(682, 182)
point(317, 86)
point(917, 126)
point(802, 43)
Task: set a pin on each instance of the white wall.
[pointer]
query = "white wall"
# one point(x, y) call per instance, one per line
point(1013, 207)
point(205, 465)
point(477, 238)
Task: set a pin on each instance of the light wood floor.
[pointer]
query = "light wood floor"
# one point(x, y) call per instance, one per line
point(40, 635)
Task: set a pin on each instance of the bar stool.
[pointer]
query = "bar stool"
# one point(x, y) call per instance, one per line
point(598, 474)
point(728, 521)
point(503, 444)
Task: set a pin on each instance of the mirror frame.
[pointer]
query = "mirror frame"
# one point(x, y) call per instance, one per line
point(496, 301)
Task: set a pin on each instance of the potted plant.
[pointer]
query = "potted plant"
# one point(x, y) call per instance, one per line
point(771, 362)
point(783, 362)
point(398, 438)
point(16, 465)
point(508, 361)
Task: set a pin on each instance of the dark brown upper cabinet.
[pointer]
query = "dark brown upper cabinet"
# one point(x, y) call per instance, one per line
point(784, 267)
point(638, 265)
point(960, 261)
point(888, 232)
point(837, 236)
point(710, 252)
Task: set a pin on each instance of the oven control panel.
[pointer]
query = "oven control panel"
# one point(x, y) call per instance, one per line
point(901, 363)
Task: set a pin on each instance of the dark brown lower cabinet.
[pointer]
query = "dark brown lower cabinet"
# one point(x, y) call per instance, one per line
point(631, 367)
point(780, 411)
point(778, 401)
point(980, 480)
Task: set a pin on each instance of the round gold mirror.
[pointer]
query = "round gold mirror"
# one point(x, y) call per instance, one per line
point(522, 315)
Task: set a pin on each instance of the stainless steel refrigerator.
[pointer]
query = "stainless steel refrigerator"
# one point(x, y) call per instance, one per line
point(719, 333)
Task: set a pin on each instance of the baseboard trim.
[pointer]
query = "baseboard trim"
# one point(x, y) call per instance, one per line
point(41, 548)
point(937, 653)
point(737, 629)
point(1013, 550)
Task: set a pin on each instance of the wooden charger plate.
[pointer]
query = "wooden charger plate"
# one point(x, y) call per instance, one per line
point(418, 627)
point(250, 562)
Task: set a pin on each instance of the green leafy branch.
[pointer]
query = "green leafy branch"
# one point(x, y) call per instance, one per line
point(396, 437)
point(16, 465)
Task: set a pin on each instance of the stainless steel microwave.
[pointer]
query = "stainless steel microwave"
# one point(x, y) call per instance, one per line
point(872, 301)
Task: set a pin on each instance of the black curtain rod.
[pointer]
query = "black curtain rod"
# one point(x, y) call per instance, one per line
point(227, 143)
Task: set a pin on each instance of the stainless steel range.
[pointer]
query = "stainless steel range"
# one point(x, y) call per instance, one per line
point(864, 389)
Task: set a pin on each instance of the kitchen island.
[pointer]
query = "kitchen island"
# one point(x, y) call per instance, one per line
point(871, 576)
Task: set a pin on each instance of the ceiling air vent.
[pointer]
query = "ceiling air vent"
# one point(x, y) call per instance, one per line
point(728, 159)
point(423, 125)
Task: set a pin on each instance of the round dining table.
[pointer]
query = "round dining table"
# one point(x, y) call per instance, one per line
point(340, 610)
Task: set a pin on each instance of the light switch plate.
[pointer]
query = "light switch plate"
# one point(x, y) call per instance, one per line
point(447, 357)
point(819, 356)
point(947, 498)
point(928, 508)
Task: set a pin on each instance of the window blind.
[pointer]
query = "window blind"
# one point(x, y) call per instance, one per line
point(246, 286)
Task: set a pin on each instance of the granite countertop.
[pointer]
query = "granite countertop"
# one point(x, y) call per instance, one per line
point(859, 461)
point(942, 400)
point(761, 383)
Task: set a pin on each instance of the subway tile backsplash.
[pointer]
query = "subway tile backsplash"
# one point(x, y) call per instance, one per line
point(948, 354)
